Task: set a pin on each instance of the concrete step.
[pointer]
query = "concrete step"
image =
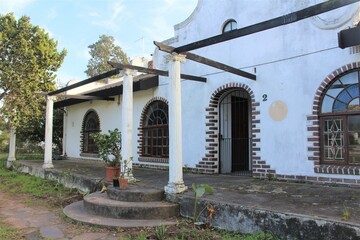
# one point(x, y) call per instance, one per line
point(77, 212)
point(99, 204)
point(135, 194)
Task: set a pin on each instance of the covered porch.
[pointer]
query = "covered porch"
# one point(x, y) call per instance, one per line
point(241, 203)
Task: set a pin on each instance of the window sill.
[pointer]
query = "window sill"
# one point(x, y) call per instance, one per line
point(335, 169)
point(154, 159)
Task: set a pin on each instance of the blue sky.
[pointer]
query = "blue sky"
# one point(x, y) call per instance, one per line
point(76, 24)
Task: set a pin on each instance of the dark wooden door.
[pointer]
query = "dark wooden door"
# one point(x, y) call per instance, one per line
point(240, 133)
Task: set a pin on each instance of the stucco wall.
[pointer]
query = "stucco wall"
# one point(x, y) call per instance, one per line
point(290, 63)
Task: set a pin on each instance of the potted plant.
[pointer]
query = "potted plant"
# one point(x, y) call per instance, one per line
point(109, 146)
point(126, 171)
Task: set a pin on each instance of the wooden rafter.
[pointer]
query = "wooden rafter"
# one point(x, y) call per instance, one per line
point(86, 81)
point(269, 24)
point(207, 61)
point(87, 97)
point(121, 66)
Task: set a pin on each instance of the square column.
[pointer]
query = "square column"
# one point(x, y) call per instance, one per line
point(48, 132)
point(176, 182)
point(12, 147)
point(127, 120)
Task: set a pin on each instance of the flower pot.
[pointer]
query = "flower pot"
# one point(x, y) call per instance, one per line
point(123, 182)
point(111, 173)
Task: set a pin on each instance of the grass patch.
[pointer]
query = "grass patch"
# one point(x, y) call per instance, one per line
point(51, 191)
point(36, 191)
point(9, 233)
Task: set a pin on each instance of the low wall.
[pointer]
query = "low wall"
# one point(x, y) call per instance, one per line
point(238, 218)
point(72, 180)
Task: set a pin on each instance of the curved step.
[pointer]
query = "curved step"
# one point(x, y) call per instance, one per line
point(99, 204)
point(76, 211)
point(135, 194)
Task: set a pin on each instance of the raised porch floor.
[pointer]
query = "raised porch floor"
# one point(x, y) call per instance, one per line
point(295, 210)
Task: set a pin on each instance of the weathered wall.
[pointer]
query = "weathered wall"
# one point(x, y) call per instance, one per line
point(290, 63)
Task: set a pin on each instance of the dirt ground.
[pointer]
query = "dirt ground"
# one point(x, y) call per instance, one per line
point(37, 219)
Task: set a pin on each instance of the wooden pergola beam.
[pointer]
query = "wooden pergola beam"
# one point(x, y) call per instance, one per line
point(121, 66)
point(87, 97)
point(206, 61)
point(269, 24)
point(86, 81)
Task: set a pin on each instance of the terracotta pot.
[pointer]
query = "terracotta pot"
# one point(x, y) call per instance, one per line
point(111, 173)
point(123, 182)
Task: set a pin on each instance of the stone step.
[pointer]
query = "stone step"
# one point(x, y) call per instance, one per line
point(135, 194)
point(99, 204)
point(77, 212)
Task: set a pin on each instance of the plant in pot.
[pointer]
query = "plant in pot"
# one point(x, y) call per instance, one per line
point(109, 146)
point(125, 173)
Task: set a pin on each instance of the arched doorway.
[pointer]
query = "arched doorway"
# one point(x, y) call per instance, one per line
point(235, 132)
point(91, 124)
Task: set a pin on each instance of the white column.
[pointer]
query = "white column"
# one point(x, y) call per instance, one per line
point(127, 120)
point(12, 147)
point(48, 132)
point(176, 182)
point(64, 133)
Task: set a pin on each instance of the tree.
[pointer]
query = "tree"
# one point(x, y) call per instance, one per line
point(34, 131)
point(102, 51)
point(28, 61)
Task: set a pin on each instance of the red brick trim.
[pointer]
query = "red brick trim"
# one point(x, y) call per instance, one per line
point(329, 180)
point(151, 166)
point(140, 130)
point(314, 130)
point(210, 162)
point(83, 127)
point(153, 160)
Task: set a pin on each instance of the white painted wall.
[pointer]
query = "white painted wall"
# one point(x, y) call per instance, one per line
point(290, 61)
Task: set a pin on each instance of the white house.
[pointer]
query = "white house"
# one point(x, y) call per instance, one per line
point(299, 120)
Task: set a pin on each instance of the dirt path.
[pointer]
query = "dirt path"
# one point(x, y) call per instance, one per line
point(36, 221)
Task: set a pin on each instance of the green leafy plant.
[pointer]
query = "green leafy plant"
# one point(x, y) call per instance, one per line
point(160, 232)
point(199, 190)
point(126, 171)
point(109, 146)
point(346, 215)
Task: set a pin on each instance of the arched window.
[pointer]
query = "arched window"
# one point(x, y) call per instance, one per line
point(229, 26)
point(340, 121)
point(156, 130)
point(91, 124)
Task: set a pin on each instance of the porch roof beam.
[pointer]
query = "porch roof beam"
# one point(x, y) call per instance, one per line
point(207, 61)
point(88, 97)
point(86, 81)
point(272, 23)
point(121, 66)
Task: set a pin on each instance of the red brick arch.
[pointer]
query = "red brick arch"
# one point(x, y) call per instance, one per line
point(313, 129)
point(210, 162)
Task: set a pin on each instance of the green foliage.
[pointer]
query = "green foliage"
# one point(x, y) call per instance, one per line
point(125, 171)
point(4, 140)
point(199, 190)
point(33, 132)
point(260, 236)
point(101, 52)
point(109, 146)
point(28, 61)
point(141, 236)
point(160, 232)
point(346, 215)
point(9, 233)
